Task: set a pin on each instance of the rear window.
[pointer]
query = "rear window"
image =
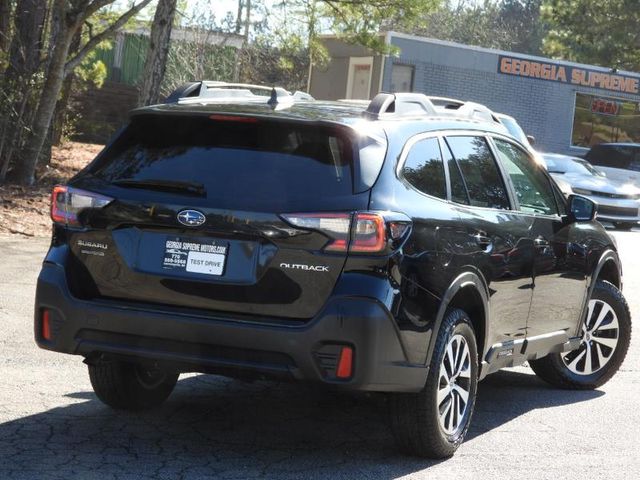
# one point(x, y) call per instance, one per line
point(267, 161)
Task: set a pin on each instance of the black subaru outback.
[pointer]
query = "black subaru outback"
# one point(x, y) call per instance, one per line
point(408, 246)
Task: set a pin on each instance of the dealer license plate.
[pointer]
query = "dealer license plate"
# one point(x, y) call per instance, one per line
point(195, 255)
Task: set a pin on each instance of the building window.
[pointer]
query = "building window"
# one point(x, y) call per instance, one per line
point(604, 119)
point(401, 78)
point(359, 78)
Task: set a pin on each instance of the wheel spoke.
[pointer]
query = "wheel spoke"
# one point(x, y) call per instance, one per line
point(598, 355)
point(463, 358)
point(603, 314)
point(451, 412)
point(442, 395)
point(608, 342)
point(450, 356)
point(588, 369)
point(613, 325)
point(575, 361)
point(464, 395)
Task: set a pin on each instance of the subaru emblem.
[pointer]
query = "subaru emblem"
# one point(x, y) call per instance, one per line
point(191, 218)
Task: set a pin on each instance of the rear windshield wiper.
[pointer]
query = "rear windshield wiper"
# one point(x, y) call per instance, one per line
point(190, 188)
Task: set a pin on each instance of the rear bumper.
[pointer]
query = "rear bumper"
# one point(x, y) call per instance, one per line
point(216, 344)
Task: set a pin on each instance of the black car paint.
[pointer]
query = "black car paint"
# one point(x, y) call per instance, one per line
point(507, 264)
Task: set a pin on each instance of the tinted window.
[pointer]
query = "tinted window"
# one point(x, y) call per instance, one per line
point(458, 188)
point(274, 164)
point(615, 156)
point(480, 172)
point(423, 168)
point(532, 186)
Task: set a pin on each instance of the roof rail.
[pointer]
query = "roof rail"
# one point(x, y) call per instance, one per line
point(417, 104)
point(399, 104)
point(197, 92)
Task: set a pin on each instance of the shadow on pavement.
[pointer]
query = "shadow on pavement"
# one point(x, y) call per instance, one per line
point(213, 427)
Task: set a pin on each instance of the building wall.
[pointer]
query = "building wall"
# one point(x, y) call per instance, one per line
point(543, 108)
point(329, 82)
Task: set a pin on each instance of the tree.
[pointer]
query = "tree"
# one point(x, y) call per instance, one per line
point(156, 61)
point(504, 24)
point(593, 31)
point(17, 85)
point(5, 26)
point(67, 18)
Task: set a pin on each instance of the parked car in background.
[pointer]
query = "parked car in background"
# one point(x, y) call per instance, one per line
point(514, 128)
point(618, 202)
point(620, 161)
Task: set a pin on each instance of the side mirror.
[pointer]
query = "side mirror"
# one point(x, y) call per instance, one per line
point(531, 139)
point(582, 209)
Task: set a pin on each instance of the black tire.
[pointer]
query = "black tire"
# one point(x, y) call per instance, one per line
point(554, 370)
point(623, 225)
point(129, 386)
point(415, 417)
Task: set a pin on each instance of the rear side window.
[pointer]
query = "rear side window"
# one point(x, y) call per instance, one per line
point(254, 162)
point(480, 171)
point(423, 168)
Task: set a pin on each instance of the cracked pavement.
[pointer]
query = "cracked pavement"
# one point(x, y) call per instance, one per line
point(53, 427)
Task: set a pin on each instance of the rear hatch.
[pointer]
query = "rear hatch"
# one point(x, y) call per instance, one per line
point(213, 213)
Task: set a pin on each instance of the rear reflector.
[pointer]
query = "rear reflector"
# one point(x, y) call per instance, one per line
point(344, 369)
point(45, 322)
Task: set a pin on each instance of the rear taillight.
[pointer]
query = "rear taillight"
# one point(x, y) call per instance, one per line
point(335, 225)
point(68, 202)
point(360, 232)
point(369, 233)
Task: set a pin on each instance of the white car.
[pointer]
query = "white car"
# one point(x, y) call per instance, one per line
point(618, 201)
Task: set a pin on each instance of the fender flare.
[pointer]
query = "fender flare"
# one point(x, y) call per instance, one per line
point(609, 255)
point(464, 280)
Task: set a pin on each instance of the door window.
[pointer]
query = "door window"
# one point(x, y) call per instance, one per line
point(532, 186)
point(423, 168)
point(480, 171)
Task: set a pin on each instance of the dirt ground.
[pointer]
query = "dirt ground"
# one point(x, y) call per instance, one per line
point(24, 211)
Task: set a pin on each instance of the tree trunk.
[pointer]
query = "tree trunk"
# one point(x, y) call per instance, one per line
point(240, 51)
point(156, 61)
point(5, 24)
point(24, 58)
point(49, 96)
point(60, 116)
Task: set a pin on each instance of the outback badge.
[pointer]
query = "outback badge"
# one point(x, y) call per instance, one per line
point(191, 218)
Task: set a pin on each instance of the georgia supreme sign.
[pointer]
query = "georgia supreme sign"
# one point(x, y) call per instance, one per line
point(555, 72)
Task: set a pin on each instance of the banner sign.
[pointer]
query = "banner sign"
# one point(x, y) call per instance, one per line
point(555, 72)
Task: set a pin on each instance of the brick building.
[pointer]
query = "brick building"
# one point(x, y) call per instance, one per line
point(566, 106)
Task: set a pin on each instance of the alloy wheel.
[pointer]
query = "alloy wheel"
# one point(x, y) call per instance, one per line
point(454, 385)
point(600, 332)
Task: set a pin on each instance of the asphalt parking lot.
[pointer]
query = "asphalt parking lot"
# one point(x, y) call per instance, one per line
point(53, 427)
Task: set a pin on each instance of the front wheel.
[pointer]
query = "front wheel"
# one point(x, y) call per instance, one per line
point(130, 386)
point(433, 422)
point(605, 337)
